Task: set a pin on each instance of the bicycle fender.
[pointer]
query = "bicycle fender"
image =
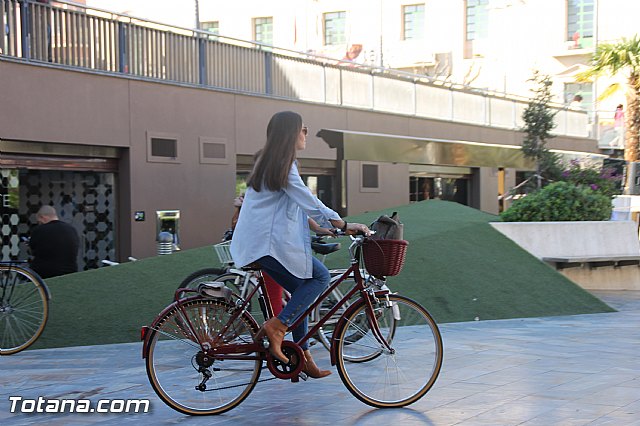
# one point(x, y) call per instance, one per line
point(145, 331)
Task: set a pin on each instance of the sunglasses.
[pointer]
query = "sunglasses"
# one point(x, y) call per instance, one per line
point(305, 130)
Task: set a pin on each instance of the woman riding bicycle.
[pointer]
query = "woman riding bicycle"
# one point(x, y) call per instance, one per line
point(273, 231)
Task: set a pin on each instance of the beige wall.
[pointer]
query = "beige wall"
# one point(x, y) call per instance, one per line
point(52, 105)
point(46, 104)
point(393, 180)
point(202, 192)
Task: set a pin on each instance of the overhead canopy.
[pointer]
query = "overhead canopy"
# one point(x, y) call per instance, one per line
point(413, 150)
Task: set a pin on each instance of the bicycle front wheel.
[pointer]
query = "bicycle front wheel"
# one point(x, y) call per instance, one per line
point(187, 380)
point(24, 308)
point(393, 378)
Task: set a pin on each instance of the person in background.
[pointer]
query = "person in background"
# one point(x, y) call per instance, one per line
point(54, 245)
point(618, 127)
point(576, 103)
point(273, 231)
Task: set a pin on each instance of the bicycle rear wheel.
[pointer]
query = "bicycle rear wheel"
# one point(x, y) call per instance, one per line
point(24, 308)
point(177, 367)
point(194, 279)
point(393, 378)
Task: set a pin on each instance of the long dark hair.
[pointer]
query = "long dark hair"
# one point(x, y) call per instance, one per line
point(275, 159)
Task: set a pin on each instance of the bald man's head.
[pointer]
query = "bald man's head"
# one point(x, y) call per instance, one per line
point(46, 214)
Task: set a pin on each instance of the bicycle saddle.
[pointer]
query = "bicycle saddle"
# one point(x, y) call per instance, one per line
point(255, 266)
point(325, 248)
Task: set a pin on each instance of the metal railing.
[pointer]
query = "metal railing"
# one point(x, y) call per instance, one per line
point(74, 35)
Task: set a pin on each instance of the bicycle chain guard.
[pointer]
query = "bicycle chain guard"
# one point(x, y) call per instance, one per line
point(291, 369)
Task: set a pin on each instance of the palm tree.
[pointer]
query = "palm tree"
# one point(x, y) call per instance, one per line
point(612, 59)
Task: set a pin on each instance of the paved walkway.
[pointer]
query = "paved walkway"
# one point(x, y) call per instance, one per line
point(575, 370)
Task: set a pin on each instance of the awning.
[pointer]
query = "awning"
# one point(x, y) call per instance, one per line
point(379, 147)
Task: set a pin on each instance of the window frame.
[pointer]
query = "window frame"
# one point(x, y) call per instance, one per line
point(584, 89)
point(418, 28)
point(580, 23)
point(206, 23)
point(362, 178)
point(212, 160)
point(258, 23)
point(161, 159)
point(338, 37)
point(471, 21)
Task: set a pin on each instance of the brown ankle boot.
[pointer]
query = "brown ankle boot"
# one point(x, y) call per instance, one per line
point(311, 369)
point(274, 329)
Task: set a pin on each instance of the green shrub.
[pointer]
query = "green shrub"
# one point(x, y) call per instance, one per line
point(560, 201)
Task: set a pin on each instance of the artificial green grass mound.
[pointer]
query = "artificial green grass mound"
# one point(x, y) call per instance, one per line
point(461, 269)
point(457, 266)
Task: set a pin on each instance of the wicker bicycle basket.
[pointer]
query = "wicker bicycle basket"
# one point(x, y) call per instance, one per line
point(222, 250)
point(384, 258)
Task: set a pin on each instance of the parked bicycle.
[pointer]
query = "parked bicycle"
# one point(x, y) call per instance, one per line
point(24, 306)
point(202, 357)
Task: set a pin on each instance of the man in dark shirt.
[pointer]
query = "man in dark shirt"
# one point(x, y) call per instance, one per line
point(54, 245)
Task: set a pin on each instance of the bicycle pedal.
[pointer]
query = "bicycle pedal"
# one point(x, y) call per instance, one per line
point(302, 376)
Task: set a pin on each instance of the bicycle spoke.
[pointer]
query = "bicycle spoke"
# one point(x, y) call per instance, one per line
point(179, 339)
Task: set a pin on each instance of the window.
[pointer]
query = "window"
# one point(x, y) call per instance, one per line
point(334, 28)
point(369, 182)
point(583, 89)
point(580, 22)
point(263, 30)
point(213, 151)
point(211, 26)
point(162, 148)
point(413, 23)
point(477, 19)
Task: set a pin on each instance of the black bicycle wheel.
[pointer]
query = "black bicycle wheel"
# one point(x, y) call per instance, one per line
point(187, 380)
point(24, 308)
point(394, 378)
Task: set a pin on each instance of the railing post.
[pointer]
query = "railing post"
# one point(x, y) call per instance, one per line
point(123, 67)
point(324, 81)
point(451, 106)
point(268, 73)
point(26, 28)
point(3, 28)
point(487, 110)
point(202, 67)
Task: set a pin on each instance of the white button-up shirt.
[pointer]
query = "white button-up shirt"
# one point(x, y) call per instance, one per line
point(275, 223)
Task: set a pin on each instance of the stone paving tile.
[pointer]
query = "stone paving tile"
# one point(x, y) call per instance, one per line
point(577, 370)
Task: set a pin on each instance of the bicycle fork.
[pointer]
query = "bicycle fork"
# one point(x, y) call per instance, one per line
point(373, 321)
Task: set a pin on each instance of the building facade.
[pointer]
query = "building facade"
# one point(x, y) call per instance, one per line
point(493, 45)
point(131, 127)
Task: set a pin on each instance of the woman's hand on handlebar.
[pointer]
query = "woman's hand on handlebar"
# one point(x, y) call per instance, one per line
point(328, 232)
point(358, 229)
point(351, 228)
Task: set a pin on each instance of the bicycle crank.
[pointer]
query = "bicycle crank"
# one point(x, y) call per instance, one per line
point(289, 370)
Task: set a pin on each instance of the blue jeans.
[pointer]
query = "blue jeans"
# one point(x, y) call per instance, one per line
point(303, 292)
